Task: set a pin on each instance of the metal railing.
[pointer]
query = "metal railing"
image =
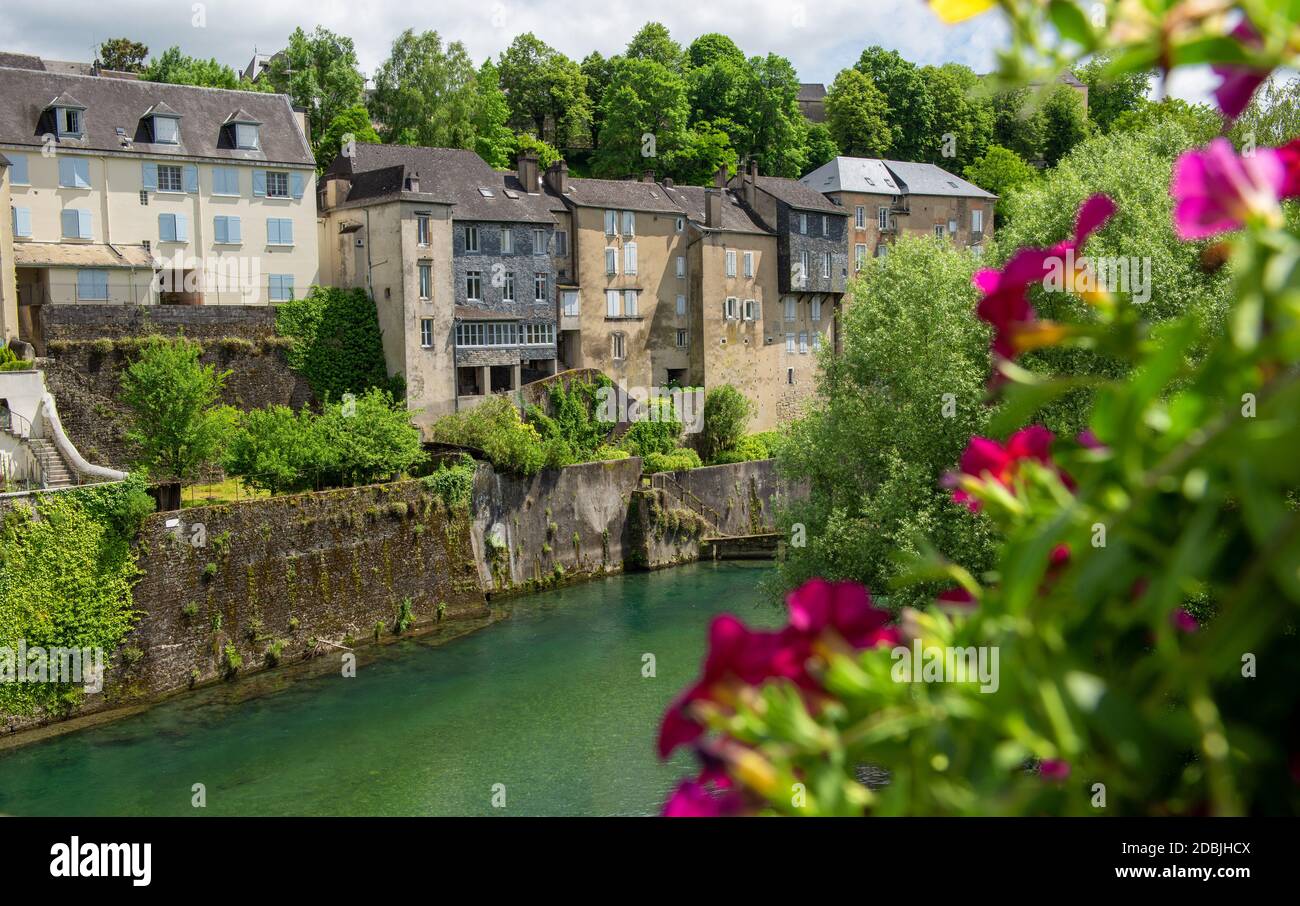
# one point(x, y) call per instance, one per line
point(665, 482)
point(20, 427)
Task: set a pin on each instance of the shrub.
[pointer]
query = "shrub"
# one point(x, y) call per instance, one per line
point(658, 431)
point(495, 428)
point(749, 448)
point(336, 345)
point(674, 461)
point(453, 482)
point(276, 449)
point(726, 413)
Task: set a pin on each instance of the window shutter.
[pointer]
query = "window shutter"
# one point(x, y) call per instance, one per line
point(220, 230)
point(166, 227)
point(84, 224)
point(629, 258)
point(272, 231)
point(629, 303)
point(295, 184)
point(629, 223)
point(611, 222)
point(182, 229)
point(191, 178)
point(232, 229)
point(259, 182)
point(611, 303)
point(18, 169)
point(151, 177)
point(81, 173)
point(67, 175)
point(23, 221)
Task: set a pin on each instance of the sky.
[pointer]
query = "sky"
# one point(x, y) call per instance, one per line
point(820, 37)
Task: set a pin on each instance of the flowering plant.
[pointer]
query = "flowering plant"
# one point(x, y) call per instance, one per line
point(1133, 649)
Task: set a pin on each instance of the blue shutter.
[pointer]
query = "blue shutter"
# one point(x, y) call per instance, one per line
point(220, 232)
point(151, 177)
point(182, 229)
point(67, 174)
point(81, 172)
point(296, 184)
point(286, 285)
point(23, 222)
point(259, 182)
point(272, 284)
point(68, 218)
point(272, 231)
point(191, 178)
point(166, 227)
point(286, 232)
point(85, 282)
point(84, 224)
point(232, 229)
point(18, 169)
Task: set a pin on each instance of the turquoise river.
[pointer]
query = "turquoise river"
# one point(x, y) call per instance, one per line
point(550, 702)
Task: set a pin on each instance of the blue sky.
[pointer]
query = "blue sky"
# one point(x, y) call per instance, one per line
point(819, 36)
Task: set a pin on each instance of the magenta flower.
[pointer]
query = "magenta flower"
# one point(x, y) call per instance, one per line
point(1184, 621)
point(1054, 769)
point(1238, 83)
point(845, 607)
point(1289, 155)
point(988, 460)
point(1215, 190)
point(958, 599)
point(693, 799)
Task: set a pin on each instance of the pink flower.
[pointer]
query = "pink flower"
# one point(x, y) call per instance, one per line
point(1216, 191)
point(1054, 769)
point(1004, 303)
point(1289, 155)
point(845, 607)
point(1090, 441)
point(957, 599)
point(988, 460)
point(693, 799)
point(1183, 621)
point(1238, 82)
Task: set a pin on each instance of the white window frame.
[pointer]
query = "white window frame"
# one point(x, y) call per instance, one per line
point(882, 218)
point(611, 261)
point(731, 262)
point(618, 346)
point(791, 309)
point(731, 309)
point(474, 279)
point(629, 224)
point(471, 240)
point(860, 217)
point(827, 264)
point(539, 241)
point(748, 310)
point(681, 267)
point(860, 254)
point(273, 180)
point(247, 137)
point(611, 222)
point(572, 304)
point(803, 343)
point(508, 287)
point(681, 305)
point(749, 264)
point(631, 302)
point(539, 287)
point(977, 220)
point(803, 224)
point(423, 229)
point(174, 137)
point(424, 274)
point(507, 241)
point(426, 333)
point(789, 343)
point(683, 338)
point(815, 309)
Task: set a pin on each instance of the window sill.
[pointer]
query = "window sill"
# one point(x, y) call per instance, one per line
point(227, 195)
point(624, 318)
point(227, 242)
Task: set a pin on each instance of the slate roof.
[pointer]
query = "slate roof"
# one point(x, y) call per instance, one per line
point(796, 194)
point(625, 194)
point(889, 177)
point(812, 91)
point(112, 104)
point(735, 219)
point(447, 175)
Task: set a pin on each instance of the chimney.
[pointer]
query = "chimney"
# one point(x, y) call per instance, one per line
point(668, 182)
point(557, 177)
point(648, 176)
point(413, 182)
point(720, 178)
point(713, 208)
point(528, 171)
point(300, 114)
point(336, 190)
point(750, 180)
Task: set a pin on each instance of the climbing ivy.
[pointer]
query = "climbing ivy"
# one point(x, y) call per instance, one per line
point(66, 571)
point(336, 344)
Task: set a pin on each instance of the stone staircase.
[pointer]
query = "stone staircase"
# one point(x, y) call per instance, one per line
point(54, 470)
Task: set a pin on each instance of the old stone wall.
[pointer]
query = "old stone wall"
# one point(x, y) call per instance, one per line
point(739, 498)
point(199, 322)
point(85, 378)
point(556, 526)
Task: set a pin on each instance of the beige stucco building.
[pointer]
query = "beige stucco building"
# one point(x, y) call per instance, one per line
point(126, 191)
point(8, 286)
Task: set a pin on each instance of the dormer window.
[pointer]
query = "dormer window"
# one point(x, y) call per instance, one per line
point(68, 115)
point(246, 136)
point(69, 121)
point(166, 130)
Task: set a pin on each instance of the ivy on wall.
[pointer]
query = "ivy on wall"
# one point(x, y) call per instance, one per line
point(336, 344)
point(66, 572)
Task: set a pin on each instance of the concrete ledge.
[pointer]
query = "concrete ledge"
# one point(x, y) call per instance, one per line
point(743, 547)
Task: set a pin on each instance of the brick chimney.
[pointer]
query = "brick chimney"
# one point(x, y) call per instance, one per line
point(335, 190)
point(557, 177)
point(713, 208)
point(720, 178)
point(300, 114)
point(528, 171)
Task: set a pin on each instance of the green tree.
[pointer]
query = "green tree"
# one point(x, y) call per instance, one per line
point(773, 130)
point(1200, 121)
point(123, 55)
point(368, 439)
point(336, 343)
point(1111, 97)
point(598, 71)
point(494, 141)
point(707, 148)
point(653, 42)
point(177, 68)
point(822, 147)
point(999, 171)
point(645, 119)
point(712, 47)
point(494, 426)
point(545, 90)
point(963, 116)
point(177, 425)
point(425, 93)
point(351, 121)
point(275, 449)
point(1273, 116)
point(1065, 122)
point(318, 71)
point(546, 155)
point(857, 116)
point(727, 412)
point(1018, 124)
point(910, 105)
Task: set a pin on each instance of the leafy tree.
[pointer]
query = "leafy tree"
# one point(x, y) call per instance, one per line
point(712, 47)
point(707, 148)
point(1065, 122)
point(822, 147)
point(653, 42)
point(963, 116)
point(425, 93)
point(857, 116)
point(1272, 117)
point(177, 68)
point(1200, 121)
point(177, 425)
point(353, 121)
point(999, 171)
point(369, 440)
point(494, 426)
point(123, 55)
point(494, 141)
point(660, 431)
point(546, 155)
point(275, 449)
point(909, 339)
point(1111, 97)
point(644, 98)
point(773, 130)
point(318, 71)
point(727, 412)
point(910, 104)
point(545, 90)
point(337, 345)
point(1018, 124)
point(598, 72)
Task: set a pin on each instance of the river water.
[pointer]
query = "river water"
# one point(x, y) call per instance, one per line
point(546, 710)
